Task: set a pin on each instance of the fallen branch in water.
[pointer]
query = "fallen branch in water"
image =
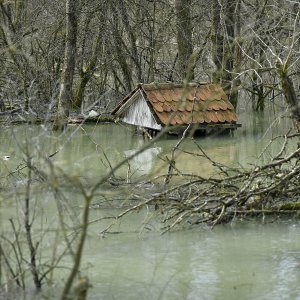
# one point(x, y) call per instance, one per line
point(269, 189)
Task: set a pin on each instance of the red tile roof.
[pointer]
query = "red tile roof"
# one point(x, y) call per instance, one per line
point(196, 103)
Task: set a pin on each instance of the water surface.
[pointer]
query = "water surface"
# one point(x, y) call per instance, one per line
point(243, 260)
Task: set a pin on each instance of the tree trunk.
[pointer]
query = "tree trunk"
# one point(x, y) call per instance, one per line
point(184, 37)
point(66, 83)
point(86, 75)
point(20, 12)
point(225, 24)
point(217, 39)
point(152, 45)
point(229, 16)
point(132, 39)
point(237, 54)
point(289, 94)
point(119, 50)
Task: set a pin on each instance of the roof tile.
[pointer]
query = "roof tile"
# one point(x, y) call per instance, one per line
point(229, 105)
point(164, 117)
point(153, 96)
point(158, 107)
point(166, 108)
point(213, 105)
point(199, 118)
point(220, 116)
point(212, 116)
point(158, 95)
point(177, 94)
point(228, 116)
point(233, 116)
point(223, 105)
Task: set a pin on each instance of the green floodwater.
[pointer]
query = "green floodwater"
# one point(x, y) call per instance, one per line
point(244, 260)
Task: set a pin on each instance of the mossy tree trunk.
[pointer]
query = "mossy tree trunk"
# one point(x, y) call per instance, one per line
point(258, 89)
point(289, 93)
point(229, 33)
point(120, 52)
point(66, 83)
point(184, 36)
point(86, 75)
point(226, 52)
point(88, 63)
point(134, 53)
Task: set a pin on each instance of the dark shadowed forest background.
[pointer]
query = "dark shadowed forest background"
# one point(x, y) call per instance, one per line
point(100, 50)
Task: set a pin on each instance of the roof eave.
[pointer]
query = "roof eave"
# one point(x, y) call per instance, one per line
point(124, 100)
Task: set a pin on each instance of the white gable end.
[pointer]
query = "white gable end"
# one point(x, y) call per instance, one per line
point(137, 112)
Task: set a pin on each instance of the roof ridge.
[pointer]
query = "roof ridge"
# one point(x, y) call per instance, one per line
point(168, 85)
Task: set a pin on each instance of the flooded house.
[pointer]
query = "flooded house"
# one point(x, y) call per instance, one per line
point(155, 106)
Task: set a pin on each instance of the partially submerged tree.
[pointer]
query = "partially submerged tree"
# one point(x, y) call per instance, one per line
point(87, 63)
point(184, 37)
point(289, 92)
point(282, 58)
point(226, 53)
point(66, 84)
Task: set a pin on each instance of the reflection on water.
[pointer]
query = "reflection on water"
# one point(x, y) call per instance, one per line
point(238, 261)
point(91, 151)
point(142, 163)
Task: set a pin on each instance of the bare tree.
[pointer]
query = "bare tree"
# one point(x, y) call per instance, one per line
point(66, 95)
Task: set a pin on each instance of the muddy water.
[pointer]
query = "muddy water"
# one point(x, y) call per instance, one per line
point(253, 260)
point(239, 261)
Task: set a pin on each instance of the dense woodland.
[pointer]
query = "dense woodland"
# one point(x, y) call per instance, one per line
point(73, 54)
